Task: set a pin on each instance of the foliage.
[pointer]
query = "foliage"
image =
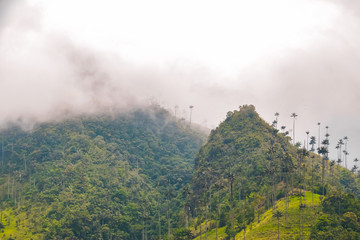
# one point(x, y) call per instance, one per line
point(142, 174)
point(340, 218)
point(97, 177)
point(247, 166)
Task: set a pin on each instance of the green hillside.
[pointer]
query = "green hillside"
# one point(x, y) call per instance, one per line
point(147, 175)
point(265, 227)
point(96, 177)
point(248, 170)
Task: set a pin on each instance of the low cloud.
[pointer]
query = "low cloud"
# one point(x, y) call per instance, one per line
point(46, 75)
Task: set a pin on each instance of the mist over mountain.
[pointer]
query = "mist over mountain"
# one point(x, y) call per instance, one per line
point(62, 57)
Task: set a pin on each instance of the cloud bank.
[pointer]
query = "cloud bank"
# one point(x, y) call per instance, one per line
point(64, 57)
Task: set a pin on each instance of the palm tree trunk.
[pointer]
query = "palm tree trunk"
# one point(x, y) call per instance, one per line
point(206, 222)
point(187, 217)
point(168, 216)
point(304, 177)
point(286, 198)
point(323, 176)
point(244, 232)
point(210, 205)
point(218, 222)
point(159, 225)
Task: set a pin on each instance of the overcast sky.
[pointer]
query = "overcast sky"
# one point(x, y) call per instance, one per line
point(302, 56)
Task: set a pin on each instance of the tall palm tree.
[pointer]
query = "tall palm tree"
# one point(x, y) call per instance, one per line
point(354, 168)
point(191, 108)
point(312, 143)
point(276, 118)
point(323, 151)
point(186, 193)
point(302, 154)
point(345, 157)
point(278, 214)
point(355, 162)
point(307, 140)
point(345, 151)
point(283, 128)
point(338, 161)
point(340, 143)
point(319, 139)
point(294, 115)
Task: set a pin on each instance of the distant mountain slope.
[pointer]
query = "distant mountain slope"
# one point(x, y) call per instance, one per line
point(96, 177)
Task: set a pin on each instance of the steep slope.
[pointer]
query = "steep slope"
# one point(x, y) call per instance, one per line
point(266, 226)
point(96, 177)
point(246, 166)
point(240, 153)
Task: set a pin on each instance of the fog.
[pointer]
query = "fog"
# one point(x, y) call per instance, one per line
point(64, 57)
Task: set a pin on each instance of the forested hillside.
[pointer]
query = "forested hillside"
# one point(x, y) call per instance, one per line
point(247, 166)
point(148, 175)
point(96, 177)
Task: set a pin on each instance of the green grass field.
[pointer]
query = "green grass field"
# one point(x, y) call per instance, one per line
point(16, 226)
point(267, 227)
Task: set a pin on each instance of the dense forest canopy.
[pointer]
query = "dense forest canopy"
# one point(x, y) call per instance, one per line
point(97, 177)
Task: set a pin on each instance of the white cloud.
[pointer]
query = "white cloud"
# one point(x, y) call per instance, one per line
point(283, 55)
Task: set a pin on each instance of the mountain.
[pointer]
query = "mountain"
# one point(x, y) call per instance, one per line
point(247, 168)
point(96, 177)
point(146, 175)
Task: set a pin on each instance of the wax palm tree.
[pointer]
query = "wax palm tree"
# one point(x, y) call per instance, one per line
point(319, 140)
point(186, 193)
point(338, 161)
point(312, 143)
point(307, 140)
point(294, 115)
point(354, 168)
point(283, 128)
point(191, 108)
point(340, 143)
point(345, 151)
point(276, 118)
point(323, 151)
point(302, 154)
point(345, 157)
point(278, 214)
point(355, 161)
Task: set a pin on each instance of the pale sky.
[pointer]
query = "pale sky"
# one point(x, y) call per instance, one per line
point(303, 56)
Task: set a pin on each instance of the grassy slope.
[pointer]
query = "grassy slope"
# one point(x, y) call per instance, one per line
point(267, 227)
point(17, 226)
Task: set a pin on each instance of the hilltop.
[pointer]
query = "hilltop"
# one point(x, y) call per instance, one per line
point(248, 168)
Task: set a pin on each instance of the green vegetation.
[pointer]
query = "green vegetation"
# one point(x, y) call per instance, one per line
point(105, 177)
point(248, 170)
point(147, 175)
